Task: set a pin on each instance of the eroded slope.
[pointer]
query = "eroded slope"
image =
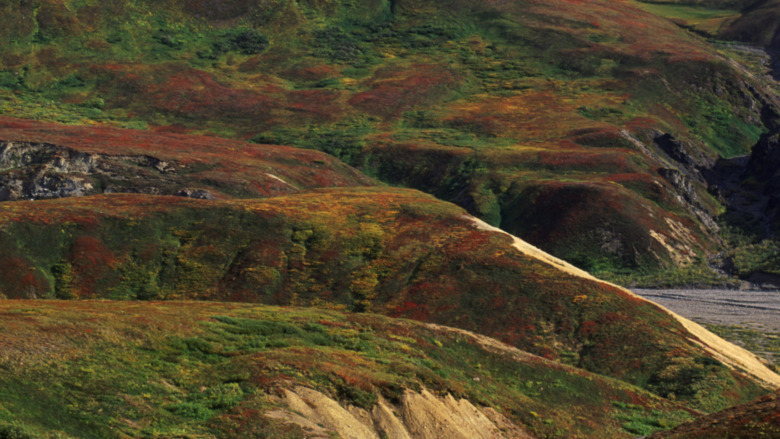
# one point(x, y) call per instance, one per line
point(392, 251)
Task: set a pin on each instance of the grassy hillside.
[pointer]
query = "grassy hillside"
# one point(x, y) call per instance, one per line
point(391, 251)
point(759, 418)
point(214, 370)
point(102, 159)
point(502, 107)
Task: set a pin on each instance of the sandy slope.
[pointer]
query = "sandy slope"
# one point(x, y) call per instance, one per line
point(420, 415)
point(729, 354)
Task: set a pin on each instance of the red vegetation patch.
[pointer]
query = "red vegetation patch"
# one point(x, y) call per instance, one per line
point(262, 170)
point(323, 104)
point(395, 90)
point(533, 115)
point(192, 94)
point(311, 73)
point(20, 279)
point(93, 262)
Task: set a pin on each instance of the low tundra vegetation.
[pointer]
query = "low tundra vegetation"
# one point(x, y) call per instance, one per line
point(188, 369)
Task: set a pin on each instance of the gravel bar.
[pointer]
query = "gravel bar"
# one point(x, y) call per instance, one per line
point(755, 309)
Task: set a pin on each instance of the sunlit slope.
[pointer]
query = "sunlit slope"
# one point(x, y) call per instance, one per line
point(508, 108)
point(391, 251)
point(119, 369)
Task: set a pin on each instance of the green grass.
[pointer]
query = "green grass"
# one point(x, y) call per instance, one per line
point(766, 344)
point(359, 80)
point(703, 18)
point(697, 274)
point(199, 372)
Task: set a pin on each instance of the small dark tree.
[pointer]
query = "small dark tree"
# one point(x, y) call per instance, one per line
point(248, 41)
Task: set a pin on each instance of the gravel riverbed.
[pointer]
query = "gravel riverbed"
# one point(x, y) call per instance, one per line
point(754, 309)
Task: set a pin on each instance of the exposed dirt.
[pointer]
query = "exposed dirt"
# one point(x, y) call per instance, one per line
point(419, 415)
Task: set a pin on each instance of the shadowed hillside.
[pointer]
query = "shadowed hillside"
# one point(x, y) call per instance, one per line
point(759, 25)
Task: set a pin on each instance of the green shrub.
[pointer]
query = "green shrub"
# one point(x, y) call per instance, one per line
point(191, 410)
point(245, 41)
point(14, 431)
point(223, 396)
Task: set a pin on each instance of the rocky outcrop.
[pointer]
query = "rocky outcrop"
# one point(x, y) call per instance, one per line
point(418, 415)
point(685, 166)
point(682, 152)
point(41, 171)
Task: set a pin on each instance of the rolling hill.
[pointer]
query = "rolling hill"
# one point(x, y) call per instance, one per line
point(390, 251)
point(216, 215)
point(103, 369)
point(511, 109)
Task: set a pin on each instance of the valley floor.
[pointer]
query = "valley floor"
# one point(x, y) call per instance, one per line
point(750, 318)
point(755, 309)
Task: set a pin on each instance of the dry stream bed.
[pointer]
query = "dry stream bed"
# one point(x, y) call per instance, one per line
point(749, 318)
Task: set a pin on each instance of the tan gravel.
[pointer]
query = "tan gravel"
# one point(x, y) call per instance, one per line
point(420, 415)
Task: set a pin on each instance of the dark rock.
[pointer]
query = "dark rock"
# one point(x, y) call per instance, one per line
point(683, 153)
point(197, 193)
point(41, 171)
point(764, 164)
